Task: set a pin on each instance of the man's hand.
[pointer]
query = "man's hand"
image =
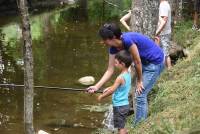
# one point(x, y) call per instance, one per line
point(139, 87)
point(92, 89)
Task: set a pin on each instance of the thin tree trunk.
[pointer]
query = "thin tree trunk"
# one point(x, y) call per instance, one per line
point(83, 9)
point(180, 8)
point(28, 73)
point(145, 16)
point(176, 8)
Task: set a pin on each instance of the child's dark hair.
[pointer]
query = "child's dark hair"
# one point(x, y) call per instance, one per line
point(109, 30)
point(125, 57)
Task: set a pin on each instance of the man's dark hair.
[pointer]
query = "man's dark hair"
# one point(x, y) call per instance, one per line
point(109, 30)
point(125, 57)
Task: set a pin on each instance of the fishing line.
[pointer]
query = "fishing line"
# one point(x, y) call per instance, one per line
point(47, 87)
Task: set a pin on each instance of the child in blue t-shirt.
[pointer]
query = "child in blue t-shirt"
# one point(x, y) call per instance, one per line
point(120, 90)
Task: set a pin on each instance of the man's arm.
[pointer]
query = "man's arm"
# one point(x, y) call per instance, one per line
point(107, 75)
point(111, 89)
point(163, 21)
point(138, 66)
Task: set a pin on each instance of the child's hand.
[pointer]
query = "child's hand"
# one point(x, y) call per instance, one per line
point(99, 98)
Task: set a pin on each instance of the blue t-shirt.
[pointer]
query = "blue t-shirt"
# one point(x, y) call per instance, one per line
point(120, 96)
point(149, 52)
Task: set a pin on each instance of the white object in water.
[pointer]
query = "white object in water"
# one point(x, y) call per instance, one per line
point(42, 132)
point(87, 80)
point(108, 122)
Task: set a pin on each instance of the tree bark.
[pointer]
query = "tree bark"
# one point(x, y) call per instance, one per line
point(144, 19)
point(83, 10)
point(176, 9)
point(28, 72)
point(145, 16)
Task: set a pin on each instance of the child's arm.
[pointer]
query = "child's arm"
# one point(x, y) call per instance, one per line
point(163, 21)
point(111, 89)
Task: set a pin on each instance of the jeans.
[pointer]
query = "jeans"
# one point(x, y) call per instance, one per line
point(150, 73)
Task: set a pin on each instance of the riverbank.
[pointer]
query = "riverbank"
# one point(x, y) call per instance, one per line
point(174, 105)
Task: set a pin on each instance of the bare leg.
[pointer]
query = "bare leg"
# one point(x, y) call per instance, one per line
point(168, 62)
point(123, 131)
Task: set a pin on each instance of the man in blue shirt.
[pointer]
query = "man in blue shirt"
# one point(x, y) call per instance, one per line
point(148, 60)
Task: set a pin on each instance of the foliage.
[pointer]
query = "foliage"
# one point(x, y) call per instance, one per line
point(183, 33)
point(107, 9)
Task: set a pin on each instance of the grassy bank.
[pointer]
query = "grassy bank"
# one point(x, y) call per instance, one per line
point(175, 102)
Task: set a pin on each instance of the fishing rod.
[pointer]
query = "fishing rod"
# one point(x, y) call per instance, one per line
point(47, 87)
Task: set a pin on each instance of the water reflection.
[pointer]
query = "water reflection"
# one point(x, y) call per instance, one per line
point(63, 52)
point(65, 48)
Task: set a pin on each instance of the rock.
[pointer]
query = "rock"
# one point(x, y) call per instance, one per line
point(42, 132)
point(186, 52)
point(87, 80)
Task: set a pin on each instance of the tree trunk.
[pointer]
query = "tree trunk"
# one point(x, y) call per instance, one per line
point(83, 10)
point(145, 16)
point(28, 73)
point(176, 9)
point(144, 19)
point(180, 8)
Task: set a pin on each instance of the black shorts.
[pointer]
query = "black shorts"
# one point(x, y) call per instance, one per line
point(197, 6)
point(120, 114)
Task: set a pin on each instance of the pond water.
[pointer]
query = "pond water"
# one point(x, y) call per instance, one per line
point(66, 47)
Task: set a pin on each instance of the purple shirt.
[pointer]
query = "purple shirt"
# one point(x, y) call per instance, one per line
point(149, 51)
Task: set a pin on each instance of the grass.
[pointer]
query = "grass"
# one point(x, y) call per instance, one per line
point(175, 102)
point(183, 33)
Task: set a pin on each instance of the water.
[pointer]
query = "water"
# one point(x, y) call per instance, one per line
point(108, 121)
point(65, 47)
point(62, 54)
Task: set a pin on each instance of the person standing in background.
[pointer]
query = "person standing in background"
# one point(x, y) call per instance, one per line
point(164, 29)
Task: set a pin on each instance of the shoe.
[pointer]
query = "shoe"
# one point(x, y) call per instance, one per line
point(194, 27)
